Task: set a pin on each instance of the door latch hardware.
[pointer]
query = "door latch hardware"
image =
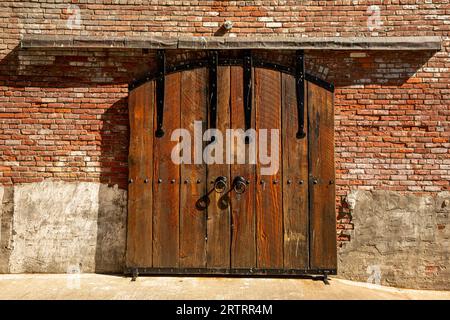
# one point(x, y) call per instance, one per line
point(160, 84)
point(239, 185)
point(220, 184)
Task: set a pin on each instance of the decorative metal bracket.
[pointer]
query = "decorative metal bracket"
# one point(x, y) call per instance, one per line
point(213, 64)
point(300, 91)
point(160, 83)
point(248, 90)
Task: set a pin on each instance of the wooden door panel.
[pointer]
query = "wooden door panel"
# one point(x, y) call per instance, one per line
point(139, 240)
point(322, 194)
point(295, 181)
point(218, 227)
point(285, 220)
point(243, 245)
point(268, 195)
point(166, 186)
point(194, 102)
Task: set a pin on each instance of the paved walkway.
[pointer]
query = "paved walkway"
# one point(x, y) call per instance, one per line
point(94, 286)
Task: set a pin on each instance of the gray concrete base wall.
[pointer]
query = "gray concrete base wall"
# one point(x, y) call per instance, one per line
point(56, 227)
point(398, 240)
point(52, 227)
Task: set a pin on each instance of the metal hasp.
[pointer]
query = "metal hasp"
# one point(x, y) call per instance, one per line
point(300, 90)
point(213, 64)
point(160, 82)
point(247, 91)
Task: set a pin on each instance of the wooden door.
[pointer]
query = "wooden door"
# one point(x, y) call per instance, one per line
point(283, 223)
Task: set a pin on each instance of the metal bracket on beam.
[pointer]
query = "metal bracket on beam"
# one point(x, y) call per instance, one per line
point(213, 64)
point(160, 83)
point(248, 90)
point(300, 90)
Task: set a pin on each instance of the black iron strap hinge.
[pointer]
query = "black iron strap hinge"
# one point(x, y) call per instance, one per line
point(248, 64)
point(213, 64)
point(160, 83)
point(300, 90)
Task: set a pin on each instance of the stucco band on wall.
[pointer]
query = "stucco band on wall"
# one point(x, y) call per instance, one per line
point(53, 227)
point(398, 239)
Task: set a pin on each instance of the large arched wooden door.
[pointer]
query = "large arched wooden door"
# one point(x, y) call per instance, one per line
point(283, 223)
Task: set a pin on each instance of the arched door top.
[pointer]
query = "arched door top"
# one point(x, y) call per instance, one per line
point(225, 58)
point(249, 60)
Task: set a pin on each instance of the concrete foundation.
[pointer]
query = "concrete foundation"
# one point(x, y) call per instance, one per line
point(399, 240)
point(59, 227)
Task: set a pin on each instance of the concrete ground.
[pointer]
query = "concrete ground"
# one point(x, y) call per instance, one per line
point(95, 286)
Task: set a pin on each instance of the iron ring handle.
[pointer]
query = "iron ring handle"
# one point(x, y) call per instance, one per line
point(220, 184)
point(239, 185)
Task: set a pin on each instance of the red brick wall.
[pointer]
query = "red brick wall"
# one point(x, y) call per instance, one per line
point(63, 114)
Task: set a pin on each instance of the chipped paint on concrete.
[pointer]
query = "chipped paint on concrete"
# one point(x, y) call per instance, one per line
point(401, 239)
point(58, 226)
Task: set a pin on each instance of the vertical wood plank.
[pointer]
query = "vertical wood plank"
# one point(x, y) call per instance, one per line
point(295, 181)
point(243, 244)
point(321, 162)
point(139, 237)
point(218, 243)
point(269, 214)
point(166, 193)
point(194, 97)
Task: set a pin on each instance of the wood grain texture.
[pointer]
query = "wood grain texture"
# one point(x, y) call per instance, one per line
point(139, 237)
point(166, 194)
point(295, 171)
point(218, 244)
point(321, 162)
point(269, 212)
point(194, 102)
point(243, 244)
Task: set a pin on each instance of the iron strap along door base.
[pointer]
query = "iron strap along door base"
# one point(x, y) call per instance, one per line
point(229, 271)
point(242, 89)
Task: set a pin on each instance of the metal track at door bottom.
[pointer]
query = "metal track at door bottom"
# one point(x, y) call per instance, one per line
point(225, 271)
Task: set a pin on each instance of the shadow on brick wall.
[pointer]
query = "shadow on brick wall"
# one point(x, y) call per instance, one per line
point(75, 99)
point(374, 68)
